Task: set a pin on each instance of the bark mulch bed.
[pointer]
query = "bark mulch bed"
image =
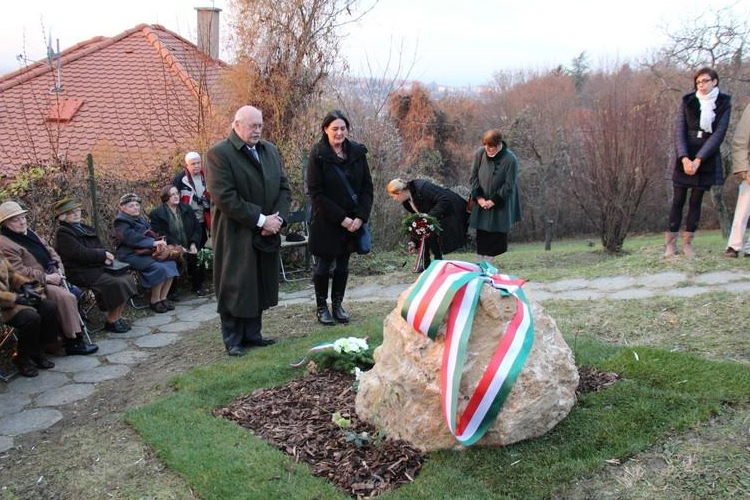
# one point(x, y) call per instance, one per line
point(592, 380)
point(297, 420)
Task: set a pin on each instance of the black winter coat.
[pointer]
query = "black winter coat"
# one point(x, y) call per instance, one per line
point(160, 223)
point(706, 147)
point(446, 206)
point(331, 201)
point(82, 253)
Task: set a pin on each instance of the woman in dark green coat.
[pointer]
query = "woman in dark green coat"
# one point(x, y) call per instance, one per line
point(494, 190)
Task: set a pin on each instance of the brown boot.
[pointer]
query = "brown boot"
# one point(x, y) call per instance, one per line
point(671, 241)
point(687, 248)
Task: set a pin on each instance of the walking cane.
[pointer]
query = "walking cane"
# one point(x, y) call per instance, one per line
point(84, 328)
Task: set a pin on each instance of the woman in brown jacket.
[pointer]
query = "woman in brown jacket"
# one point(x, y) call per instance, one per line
point(34, 319)
point(31, 257)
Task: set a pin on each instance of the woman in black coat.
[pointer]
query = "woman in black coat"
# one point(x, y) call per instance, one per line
point(84, 258)
point(178, 223)
point(337, 216)
point(421, 196)
point(700, 128)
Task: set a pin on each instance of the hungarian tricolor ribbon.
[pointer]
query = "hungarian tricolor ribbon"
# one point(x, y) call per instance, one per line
point(419, 264)
point(449, 290)
point(327, 346)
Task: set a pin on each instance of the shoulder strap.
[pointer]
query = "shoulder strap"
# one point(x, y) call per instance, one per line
point(346, 184)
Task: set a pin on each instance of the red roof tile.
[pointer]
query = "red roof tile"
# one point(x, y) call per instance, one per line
point(132, 99)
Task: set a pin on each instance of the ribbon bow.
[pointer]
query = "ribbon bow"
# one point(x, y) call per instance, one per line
point(451, 289)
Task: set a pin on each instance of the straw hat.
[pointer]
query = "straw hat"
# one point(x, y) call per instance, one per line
point(10, 209)
point(66, 205)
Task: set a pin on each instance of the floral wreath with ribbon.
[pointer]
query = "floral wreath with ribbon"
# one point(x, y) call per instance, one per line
point(419, 227)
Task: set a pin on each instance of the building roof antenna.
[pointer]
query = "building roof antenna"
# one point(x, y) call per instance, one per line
point(54, 59)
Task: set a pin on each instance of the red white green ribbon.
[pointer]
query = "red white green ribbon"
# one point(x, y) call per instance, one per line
point(450, 290)
point(328, 346)
point(420, 254)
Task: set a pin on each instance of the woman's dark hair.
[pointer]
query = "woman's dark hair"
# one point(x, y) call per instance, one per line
point(492, 137)
point(705, 71)
point(331, 117)
point(164, 193)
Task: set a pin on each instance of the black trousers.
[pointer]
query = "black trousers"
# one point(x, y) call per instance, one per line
point(694, 208)
point(35, 328)
point(236, 332)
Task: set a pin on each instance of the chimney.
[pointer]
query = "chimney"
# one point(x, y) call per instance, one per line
point(208, 31)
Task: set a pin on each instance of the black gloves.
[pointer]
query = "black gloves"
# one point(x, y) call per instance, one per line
point(28, 296)
point(28, 289)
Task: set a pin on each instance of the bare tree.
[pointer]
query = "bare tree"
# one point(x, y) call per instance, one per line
point(620, 136)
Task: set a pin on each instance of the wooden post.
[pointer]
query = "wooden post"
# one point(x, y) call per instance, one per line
point(92, 194)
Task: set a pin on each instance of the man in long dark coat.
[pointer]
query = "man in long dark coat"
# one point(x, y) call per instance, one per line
point(250, 196)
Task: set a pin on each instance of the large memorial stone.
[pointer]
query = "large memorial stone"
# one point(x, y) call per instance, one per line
point(401, 393)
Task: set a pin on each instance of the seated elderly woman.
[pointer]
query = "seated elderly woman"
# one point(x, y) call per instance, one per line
point(177, 222)
point(84, 257)
point(33, 318)
point(135, 243)
point(31, 257)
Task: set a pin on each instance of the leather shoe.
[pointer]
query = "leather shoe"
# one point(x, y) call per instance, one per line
point(116, 327)
point(79, 347)
point(168, 304)
point(24, 366)
point(43, 363)
point(236, 351)
point(203, 292)
point(731, 253)
point(260, 342)
point(124, 324)
point(158, 307)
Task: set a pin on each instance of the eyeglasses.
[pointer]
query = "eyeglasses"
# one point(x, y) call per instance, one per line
point(704, 80)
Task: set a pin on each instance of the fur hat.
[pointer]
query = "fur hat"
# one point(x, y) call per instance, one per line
point(10, 209)
point(127, 198)
point(66, 205)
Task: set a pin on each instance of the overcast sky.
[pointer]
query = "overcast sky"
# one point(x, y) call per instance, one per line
point(452, 43)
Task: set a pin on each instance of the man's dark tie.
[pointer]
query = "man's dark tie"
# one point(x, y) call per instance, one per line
point(254, 153)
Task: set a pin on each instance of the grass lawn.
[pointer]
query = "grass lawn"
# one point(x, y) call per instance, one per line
point(662, 392)
point(685, 363)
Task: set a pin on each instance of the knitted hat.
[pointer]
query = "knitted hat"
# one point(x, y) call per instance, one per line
point(66, 205)
point(10, 209)
point(127, 198)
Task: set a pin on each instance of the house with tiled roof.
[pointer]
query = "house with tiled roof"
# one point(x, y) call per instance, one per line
point(132, 101)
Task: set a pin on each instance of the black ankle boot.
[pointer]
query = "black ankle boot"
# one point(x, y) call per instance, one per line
point(338, 312)
point(321, 296)
point(24, 366)
point(338, 287)
point(324, 316)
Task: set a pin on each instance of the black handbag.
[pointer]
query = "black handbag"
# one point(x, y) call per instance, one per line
point(364, 242)
point(117, 268)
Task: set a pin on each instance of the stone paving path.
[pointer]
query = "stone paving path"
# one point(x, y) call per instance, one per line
point(31, 404)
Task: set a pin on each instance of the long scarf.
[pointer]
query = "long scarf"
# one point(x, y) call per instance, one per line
point(176, 227)
point(708, 105)
point(31, 242)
